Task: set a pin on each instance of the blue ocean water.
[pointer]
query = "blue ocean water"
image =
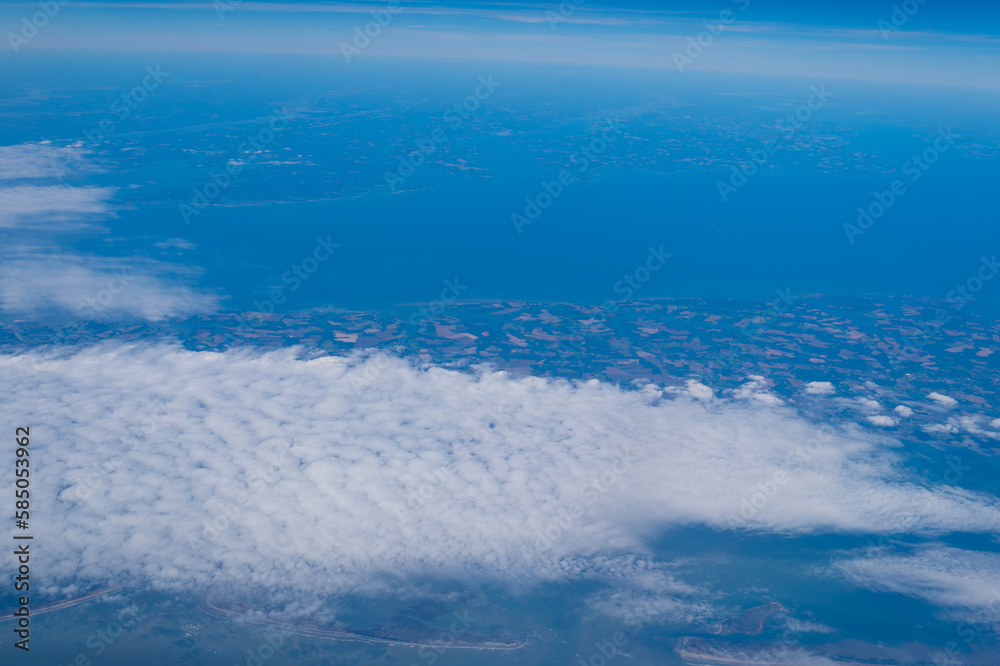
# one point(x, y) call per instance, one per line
point(783, 229)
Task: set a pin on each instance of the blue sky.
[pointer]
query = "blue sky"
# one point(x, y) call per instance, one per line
point(953, 43)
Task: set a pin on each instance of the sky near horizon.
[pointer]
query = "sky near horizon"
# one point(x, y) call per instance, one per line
point(929, 42)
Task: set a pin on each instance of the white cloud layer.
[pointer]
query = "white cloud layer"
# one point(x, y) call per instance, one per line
point(182, 469)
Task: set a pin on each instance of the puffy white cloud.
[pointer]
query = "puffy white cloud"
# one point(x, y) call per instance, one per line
point(903, 411)
point(99, 288)
point(869, 404)
point(941, 399)
point(182, 469)
point(819, 388)
point(882, 420)
point(699, 391)
point(756, 389)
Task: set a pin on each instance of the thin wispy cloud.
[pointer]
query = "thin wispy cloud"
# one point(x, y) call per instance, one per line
point(54, 207)
point(89, 287)
point(42, 161)
point(965, 582)
point(42, 278)
point(744, 40)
